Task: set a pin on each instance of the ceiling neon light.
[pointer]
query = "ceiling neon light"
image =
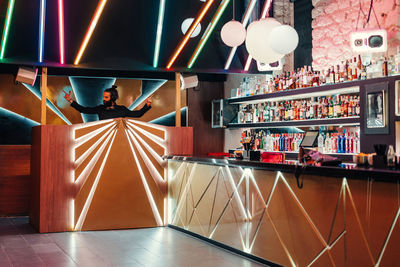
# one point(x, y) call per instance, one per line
point(10, 9)
point(90, 30)
point(264, 14)
point(161, 12)
point(61, 29)
point(189, 33)
point(208, 32)
point(41, 28)
point(245, 20)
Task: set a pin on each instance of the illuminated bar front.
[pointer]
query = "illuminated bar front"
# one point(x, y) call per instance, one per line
point(102, 175)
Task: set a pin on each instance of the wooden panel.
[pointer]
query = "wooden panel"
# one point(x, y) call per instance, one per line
point(53, 188)
point(180, 141)
point(15, 179)
point(205, 139)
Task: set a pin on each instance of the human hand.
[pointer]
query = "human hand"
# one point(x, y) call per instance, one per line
point(149, 100)
point(67, 96)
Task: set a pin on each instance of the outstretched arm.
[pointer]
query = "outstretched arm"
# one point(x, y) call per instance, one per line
point(137, 113)
point(75, 105)
point(87, 110)
point(142, 111)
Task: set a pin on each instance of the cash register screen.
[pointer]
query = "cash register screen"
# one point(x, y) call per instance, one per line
point(309, 139)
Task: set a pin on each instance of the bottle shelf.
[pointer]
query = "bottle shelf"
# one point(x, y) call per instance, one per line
point(300, 93)
point(346, 121)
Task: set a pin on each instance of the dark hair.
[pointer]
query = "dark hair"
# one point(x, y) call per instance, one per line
point(113, 93)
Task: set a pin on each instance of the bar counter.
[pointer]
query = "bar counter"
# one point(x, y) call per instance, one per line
point(348, 170)
point(338, 217)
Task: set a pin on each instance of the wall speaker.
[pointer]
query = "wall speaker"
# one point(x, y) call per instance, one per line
point(26, 75)
point(189, 81)
point(369, 41)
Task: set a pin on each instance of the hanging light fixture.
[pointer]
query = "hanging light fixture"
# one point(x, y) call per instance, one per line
point(258, 40)
point(233, 32)
point(283, 39)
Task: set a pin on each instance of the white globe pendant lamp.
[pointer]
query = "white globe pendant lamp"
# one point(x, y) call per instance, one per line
point(233, 33)
point(258, 40)
point(284, 39)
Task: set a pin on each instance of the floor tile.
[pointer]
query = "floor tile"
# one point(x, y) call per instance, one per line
point(21, 246)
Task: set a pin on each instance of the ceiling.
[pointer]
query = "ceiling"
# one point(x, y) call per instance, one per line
point(124, 37)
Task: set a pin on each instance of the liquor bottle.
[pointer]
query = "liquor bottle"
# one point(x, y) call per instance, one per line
point(343, 142)
point(339, 74)
point(350, 107)
point(334, 144)
point(330, 107)
point(355, 69)
point(350, 70)
point(325, 108)
point(320, 143)
point(385, 67)
point(327, 144)
point(357, 108)
point(339, 144)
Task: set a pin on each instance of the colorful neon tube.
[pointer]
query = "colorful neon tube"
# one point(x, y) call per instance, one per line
point(161, 12)
point(208, 32)
point(89, 32)
point(6, 27)
point(41, 28)
point(61, 29)
point(178, 50)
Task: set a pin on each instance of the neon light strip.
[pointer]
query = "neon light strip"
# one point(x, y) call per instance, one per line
point(153, 137)
point(84, 156)
point(85, 209)
point(185, 190)
point(90, 124)
point(146, 186)
point(327, 248)
point(222, 214)
point(388, 237)
point(6, 28)
point(41, 28)
point(19, 116)
point(150, 149)
point(231, 181)
point(61, 29)
point(84, 138)
point(159, 32)
point(157, 127)
point(72, 213)
point(153, 171)
point(245, 20)
point(90, 30)
point(189, 33)
point(208, 32)
point(264, 14)
point(89, 167)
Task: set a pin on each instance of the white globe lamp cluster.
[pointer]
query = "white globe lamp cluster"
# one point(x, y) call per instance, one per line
point(267, 40)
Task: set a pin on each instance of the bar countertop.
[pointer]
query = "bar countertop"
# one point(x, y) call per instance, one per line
point(347, 170)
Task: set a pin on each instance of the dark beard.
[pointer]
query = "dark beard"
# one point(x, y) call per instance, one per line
point(107, 104)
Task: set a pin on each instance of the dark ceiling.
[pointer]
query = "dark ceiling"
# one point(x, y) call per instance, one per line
point(124, 37)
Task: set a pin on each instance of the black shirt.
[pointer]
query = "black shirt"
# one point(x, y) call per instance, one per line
point(116, 112)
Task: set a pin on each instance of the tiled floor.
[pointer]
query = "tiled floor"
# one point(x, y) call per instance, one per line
point(21, 246)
